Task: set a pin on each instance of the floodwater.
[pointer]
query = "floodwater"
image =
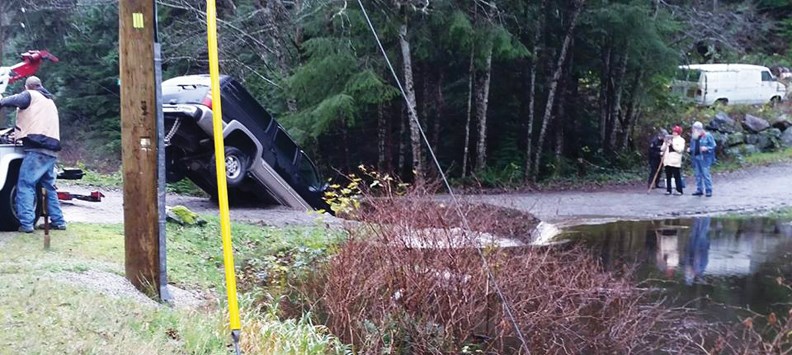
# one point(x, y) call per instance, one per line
point(719, 266)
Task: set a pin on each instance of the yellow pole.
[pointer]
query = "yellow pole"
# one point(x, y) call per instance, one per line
point(222, 191)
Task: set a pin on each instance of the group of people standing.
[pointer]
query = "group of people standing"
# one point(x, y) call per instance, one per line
point(667, 152)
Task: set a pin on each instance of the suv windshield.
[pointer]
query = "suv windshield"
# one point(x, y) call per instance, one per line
point(308, 172)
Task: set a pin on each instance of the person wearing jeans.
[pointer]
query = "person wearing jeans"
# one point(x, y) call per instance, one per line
point(672, 159)
point(37, 167)
point(38, 128)
point(702, 154)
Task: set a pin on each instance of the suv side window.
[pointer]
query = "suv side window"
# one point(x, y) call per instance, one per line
point(285, 146)
point(308, 172)
point(766, 76)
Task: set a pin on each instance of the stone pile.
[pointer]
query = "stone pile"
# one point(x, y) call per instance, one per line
point(751, 134)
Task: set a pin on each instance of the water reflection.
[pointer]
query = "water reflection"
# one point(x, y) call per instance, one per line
point(735, 262)
point(697, 253)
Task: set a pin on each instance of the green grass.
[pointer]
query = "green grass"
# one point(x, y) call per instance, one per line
point(783, 214)
point(41, 313)
point(195, 259)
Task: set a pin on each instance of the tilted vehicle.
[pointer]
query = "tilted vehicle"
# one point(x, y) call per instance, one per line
point(262, 161)
point(732, 84)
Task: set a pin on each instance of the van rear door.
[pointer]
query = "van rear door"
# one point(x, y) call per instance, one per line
point(687, 83)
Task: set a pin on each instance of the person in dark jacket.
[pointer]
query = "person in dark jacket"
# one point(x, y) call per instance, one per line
point(655, 159)
point(38, 127)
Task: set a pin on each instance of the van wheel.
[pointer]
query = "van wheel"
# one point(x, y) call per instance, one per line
point(721, 102)
point(775, 101)
point(237, 164)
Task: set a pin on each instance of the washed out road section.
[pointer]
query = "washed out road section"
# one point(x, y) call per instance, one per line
point(756, 189)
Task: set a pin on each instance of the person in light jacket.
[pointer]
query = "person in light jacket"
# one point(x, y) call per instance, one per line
point(38, 128)
point(702, 155)
point(672, 159)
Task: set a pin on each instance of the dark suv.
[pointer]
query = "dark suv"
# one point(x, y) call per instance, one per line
point(262, 161)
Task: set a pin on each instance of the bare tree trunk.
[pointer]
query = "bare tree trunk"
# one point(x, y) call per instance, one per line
point(559, 136)
point(563, 94)
point(632, 106)
point(482, 101)
point(272, 11)
point(554, 85)
point(603, 96)
point(425, 103)
point(409, 88)
point(615, 114)
point(532, 90)
point(402, 146)
point(381, 136)
point(471, 77)
point(439, 110)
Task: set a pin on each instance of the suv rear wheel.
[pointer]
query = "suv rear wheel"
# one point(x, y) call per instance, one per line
point(237, 164)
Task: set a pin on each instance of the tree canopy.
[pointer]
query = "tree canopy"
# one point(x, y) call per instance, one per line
point(498, 87)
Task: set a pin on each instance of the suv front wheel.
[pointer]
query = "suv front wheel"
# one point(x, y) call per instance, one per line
point(237, 164)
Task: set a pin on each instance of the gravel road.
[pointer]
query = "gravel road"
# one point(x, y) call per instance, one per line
point(111, 210)
point(753, 190)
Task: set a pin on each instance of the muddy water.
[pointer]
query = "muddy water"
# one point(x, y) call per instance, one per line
point(715, 265)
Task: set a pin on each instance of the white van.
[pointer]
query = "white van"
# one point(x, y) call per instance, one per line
point(728, 84)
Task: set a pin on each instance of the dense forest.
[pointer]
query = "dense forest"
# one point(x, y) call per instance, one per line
point(511, 89)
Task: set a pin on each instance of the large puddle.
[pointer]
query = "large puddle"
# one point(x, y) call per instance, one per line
point(719, 266)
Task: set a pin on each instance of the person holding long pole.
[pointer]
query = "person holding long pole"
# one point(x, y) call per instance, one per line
point(672, 160)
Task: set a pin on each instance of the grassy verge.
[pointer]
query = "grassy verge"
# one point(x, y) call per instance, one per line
point(783, 214)
point(45, 311)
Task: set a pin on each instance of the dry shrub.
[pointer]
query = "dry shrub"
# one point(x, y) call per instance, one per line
point(409, 280)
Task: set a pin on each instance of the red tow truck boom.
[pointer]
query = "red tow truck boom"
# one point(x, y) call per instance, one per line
point(31, 61)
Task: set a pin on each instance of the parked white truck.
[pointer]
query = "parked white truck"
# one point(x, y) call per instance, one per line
point(728, 84)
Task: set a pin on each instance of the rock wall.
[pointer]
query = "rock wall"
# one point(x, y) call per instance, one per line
point(750, 134)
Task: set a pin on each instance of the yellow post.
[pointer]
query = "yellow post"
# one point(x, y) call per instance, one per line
point(222, 190)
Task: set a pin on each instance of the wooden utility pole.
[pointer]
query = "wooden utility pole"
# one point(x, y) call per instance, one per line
point(143, 203)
